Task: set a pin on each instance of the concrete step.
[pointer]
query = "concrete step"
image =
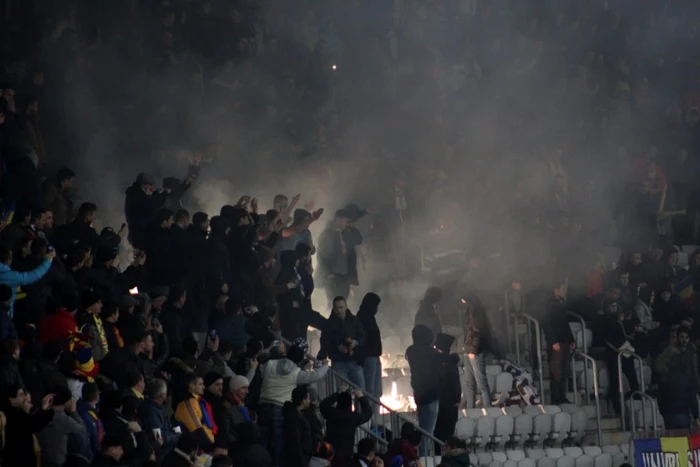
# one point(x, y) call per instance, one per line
point(613, 424)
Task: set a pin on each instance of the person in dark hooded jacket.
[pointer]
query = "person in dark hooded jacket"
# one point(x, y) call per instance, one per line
point(427, 311)
point(299, 444)
point(450, 390)
point(291, 303)
point(249, 452)
point(372, 350)
point(424, 359)
point(477, 340)
point(140, 207)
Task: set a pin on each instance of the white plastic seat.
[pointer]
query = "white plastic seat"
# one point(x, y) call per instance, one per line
point(565, 461)
point(625, 449)
point(584, 461)
point(554, 453)
point(505, 426)
point(611, 449)
point(475, 413)
point(515, 454)
point(542, 426)
point(561, 425)
point(465, 428)
point(579, 424)
point(602, 460)
point(523, 426)
point(496, 464)
point(532, 410)
point(513, 410)
point(484, 458)
point(552, 409)
point(430, 461)
point(527, 462)
point(536, 454)
point(573, 451)
point(473, 459)
point(619, 459)
point(493, 369)
point(504, 382)
point(510, 463)
point(592, 450)
point(499, 456)
point(546, 462)
point(485, 429)
point(494, 412)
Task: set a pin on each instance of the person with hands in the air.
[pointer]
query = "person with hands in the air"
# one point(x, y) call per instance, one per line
point(342, 421)
point(22, 425)
point(16, 279)
point(560, 340)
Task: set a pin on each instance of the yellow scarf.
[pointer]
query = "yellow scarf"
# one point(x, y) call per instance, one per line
point(101, 332)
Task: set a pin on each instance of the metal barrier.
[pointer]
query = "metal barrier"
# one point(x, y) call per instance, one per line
point(580, 319)
point(620, 387)
point(644, 397)
point(538, 343)
point(383, 415)
point(588, 358)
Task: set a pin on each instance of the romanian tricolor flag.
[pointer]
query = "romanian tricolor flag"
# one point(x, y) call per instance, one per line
point(685, 292)
point(668, 452)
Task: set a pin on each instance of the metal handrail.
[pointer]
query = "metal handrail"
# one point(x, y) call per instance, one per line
point(620, 387)
point(644, 397)
point(580, 319)
point(594, 366)
point(538, 343)
point(375, 400)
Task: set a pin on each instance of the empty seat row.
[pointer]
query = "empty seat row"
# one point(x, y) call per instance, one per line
point(590, 456)
point(513, 426)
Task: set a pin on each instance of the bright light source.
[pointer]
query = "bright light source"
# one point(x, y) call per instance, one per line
point(134, 291)
point(334, 67)
point(463, 301)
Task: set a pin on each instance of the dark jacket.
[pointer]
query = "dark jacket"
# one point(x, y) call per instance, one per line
point(58, 201)
point(140, 210)
point(423, 360)
point(153, 416)
point(367, 317)
point(339, 331)
point(427, 316)
point(174, 328)
point(679, 380)
point(160, 256)
point(555, 323)
point(77, 231)
point(341, 424)
point(459, 458)
point(291, 303)
point(9, 372)
point(477, 329)
point(7, 326)
point(230, 415)
point(93, 425)
point(19, 441)
point(298, 439)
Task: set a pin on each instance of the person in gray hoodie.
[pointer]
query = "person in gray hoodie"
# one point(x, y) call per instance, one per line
point(279, 378)
point(65, 434)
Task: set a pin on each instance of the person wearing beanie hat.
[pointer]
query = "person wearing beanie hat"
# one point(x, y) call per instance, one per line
point(62, 432)
point(235, 412)
point(92, 325)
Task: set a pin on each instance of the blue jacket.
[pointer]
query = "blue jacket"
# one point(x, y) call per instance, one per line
point(93, 426)
point(7, 327)
point(17, 279)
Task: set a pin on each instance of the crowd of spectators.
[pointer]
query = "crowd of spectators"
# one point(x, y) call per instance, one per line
point(542, 132)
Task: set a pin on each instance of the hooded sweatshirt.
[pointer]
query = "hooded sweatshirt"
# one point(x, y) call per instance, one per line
point(367, 317)
point(280, 377)
point(424, 360)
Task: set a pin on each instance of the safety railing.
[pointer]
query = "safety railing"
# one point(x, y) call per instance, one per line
point(384, 419)
point(620, 386)
point(580, 319)
point(538, 343)
point(644, 398)
point(587, 358)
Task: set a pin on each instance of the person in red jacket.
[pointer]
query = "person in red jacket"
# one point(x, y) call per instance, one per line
point(60, 325)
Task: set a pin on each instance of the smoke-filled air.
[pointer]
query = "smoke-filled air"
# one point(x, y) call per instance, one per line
point(204, 190)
